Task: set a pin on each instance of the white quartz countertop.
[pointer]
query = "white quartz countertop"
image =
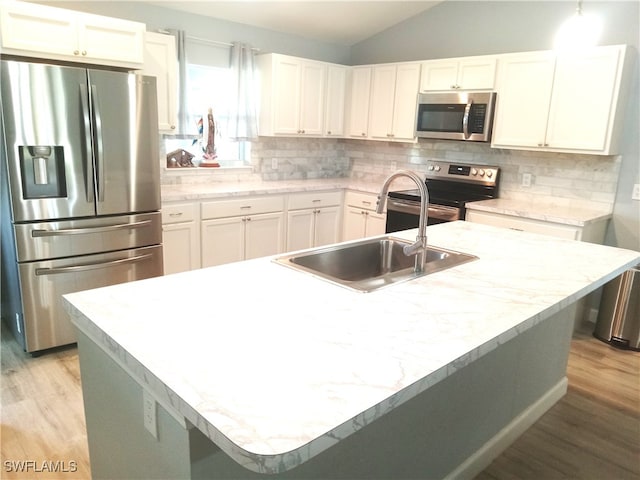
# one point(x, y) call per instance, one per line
point(546, 211)
point(275, 365)
point(216, 190)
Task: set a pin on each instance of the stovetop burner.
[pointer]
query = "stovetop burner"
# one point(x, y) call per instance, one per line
point(455, 184)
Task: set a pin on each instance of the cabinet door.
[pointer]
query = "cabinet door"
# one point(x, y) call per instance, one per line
point(376, 224)
point(300, 229)
point(360, 91)
point(524, 225)
point(327, 226)
point(312, 98)
point(335, 99)
point(382, 102)
point(439, 75)
point(286, 95)
point(264, 235)
point(222, 241)
point(525, 83)
point(108, 38)
point(180, 247)
point(37, 29)
point(477, 73)
point(160, 61)
point(354, 223)
point(405, 101)
point(583, 98)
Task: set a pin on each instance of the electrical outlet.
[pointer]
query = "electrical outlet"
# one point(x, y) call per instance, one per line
point(635, 195)
point(526, 179)
point(274, 163)
point(149, 413)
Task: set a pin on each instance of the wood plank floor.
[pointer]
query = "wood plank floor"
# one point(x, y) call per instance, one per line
point(593, 433)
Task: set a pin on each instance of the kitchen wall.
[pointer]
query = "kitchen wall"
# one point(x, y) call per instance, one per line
point(450, 29)
point(461, 28)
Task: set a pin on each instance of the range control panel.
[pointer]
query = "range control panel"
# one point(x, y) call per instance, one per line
point(463, 172)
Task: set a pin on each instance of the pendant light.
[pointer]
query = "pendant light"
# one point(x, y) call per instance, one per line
point(579, 31)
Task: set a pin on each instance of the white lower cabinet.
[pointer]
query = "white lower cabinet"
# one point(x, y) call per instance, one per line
point(360, 217)
point(235, 230)
point(313, 219)
point(180, 237)
point(592, 232)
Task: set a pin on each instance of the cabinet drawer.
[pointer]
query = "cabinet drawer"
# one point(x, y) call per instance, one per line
point(361, 200)
point(525, 225)
point(300, 201)
point(184, 212)
point(242, 206)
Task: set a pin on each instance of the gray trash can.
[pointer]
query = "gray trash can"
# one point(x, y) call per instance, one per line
point(619, 316)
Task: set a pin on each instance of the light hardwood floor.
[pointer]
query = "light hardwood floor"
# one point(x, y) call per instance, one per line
point(593, 433)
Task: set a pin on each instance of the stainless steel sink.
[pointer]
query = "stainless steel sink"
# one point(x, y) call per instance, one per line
point(371, 263)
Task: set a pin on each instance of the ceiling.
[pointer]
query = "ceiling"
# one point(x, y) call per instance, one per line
point(340, 22)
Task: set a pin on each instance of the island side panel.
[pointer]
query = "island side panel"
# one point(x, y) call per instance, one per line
point(119, 445)
point(428, 436)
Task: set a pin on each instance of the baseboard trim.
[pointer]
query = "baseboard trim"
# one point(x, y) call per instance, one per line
point(483, 457)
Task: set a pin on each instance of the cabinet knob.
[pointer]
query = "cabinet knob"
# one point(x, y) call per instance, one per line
point(84, 52)
point(173, 127)
point(364, 134)
point(76, 52)
point(329, 132)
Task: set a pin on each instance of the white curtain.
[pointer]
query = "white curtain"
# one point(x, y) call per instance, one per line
point(243, 121)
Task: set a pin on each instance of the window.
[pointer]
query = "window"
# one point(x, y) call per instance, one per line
point(209, 87)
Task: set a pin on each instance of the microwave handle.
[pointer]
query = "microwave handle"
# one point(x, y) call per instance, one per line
point(465, 120)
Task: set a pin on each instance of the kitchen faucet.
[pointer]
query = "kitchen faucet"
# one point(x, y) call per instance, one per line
point(419, 247)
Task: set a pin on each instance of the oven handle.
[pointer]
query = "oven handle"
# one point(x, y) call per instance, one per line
point(91, 266)
point(441, 212)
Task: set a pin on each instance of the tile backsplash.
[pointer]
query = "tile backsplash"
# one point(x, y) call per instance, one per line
point(566, 179)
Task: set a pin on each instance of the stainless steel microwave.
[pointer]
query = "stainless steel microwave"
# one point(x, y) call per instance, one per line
point(456, 116)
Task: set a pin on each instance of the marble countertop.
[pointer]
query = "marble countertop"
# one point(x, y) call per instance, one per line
point(215, 190)
point(546, 211)
point(276, 365)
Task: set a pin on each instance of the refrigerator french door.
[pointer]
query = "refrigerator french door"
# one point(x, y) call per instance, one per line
point(80, 188)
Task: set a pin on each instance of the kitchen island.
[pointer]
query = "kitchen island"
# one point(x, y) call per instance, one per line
point(254, 370)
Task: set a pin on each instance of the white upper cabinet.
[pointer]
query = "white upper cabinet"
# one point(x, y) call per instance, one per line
point(358, 102)
point(393, 101)
point(335, 100)
point(524, 95)
point(468, 73)
point(567, 102)
point(41, 31)
point(293, 95)
point(161, 62)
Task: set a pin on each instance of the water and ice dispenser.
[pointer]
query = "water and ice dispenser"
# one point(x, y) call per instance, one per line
point(42, 171)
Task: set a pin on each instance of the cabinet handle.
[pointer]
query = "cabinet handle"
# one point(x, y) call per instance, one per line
point(366, 202)
point(178, 214)
point(245, 207)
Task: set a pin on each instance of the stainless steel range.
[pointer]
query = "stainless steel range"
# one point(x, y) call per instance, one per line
point(451, 186)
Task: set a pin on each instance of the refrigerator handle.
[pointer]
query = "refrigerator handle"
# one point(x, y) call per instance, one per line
point(91, 266)
point(86, 120)
point(99, 153)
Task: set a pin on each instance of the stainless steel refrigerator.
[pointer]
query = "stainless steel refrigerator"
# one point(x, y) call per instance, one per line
point(80, 193)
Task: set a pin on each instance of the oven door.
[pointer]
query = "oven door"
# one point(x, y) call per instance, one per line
point(405, 214)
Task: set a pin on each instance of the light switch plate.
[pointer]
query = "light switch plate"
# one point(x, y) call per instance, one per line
point(635, 195)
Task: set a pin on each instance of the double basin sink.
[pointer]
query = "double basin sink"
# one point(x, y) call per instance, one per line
point(372, 263)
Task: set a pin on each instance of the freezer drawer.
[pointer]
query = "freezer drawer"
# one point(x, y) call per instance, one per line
point(48, 240)
point(46, 323)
